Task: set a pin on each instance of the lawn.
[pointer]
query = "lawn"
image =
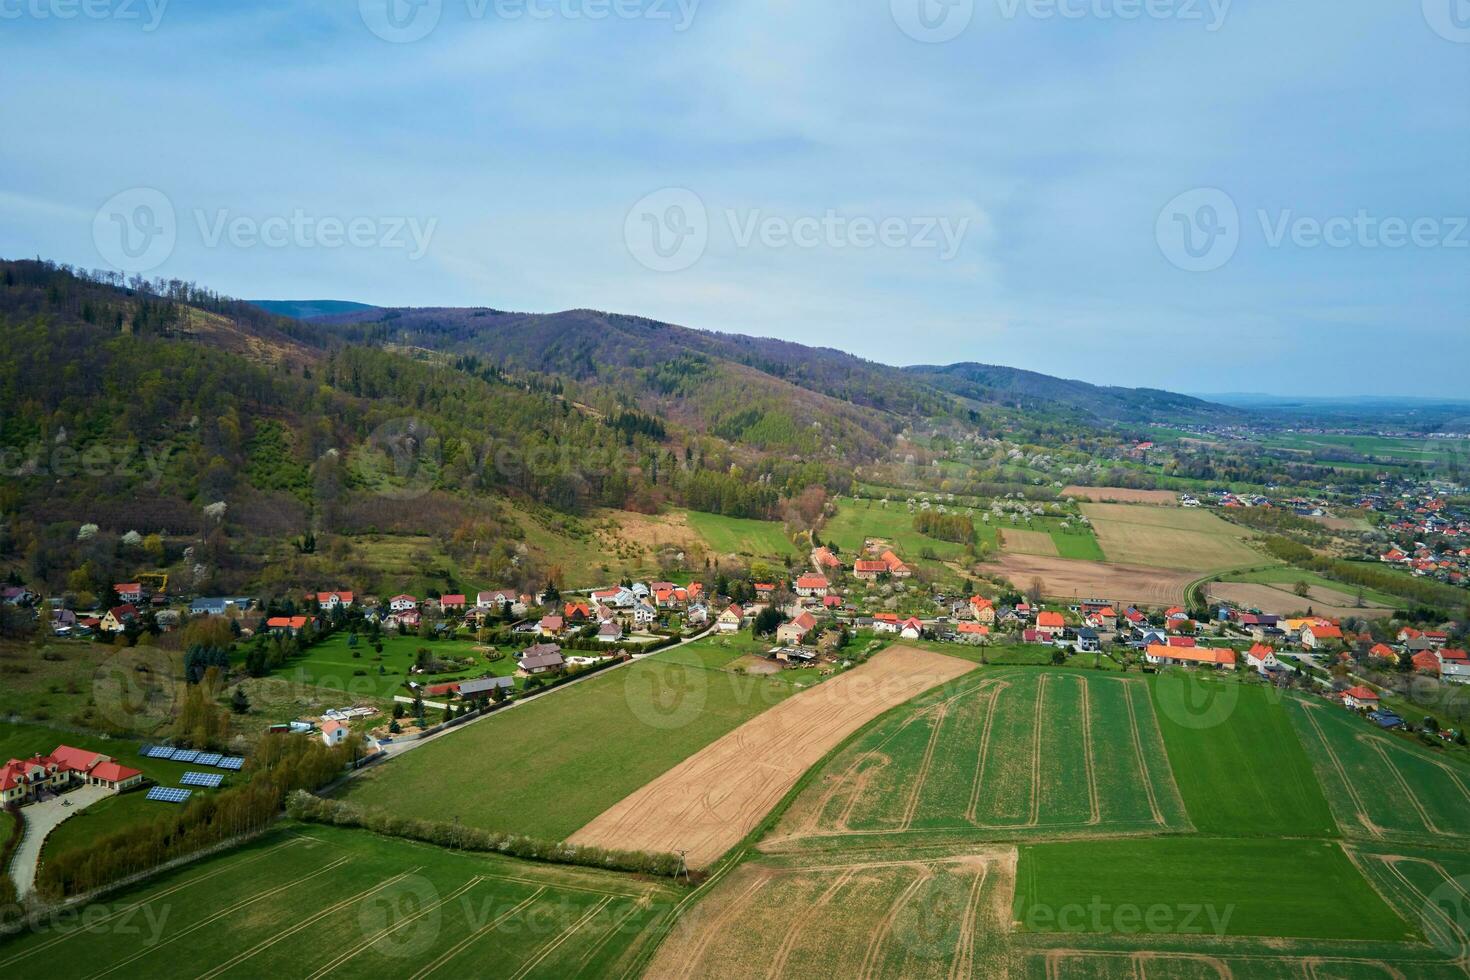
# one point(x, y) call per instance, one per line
point(304, 901)
point(1237, 759)
point(998, 755)
point(548, 767)
point(1202, 886)
point(742, 536)
point(1383, 787)
point(332, 666)
point(736, 654)
point(18, 741)
point(858, 520)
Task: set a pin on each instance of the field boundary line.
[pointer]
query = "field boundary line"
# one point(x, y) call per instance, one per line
point(979, 780)
point(210, 920)
point(1362, 811)
point(304, 924)
point(911, 808)
point(125, 910)
point(871, 957)
point(1143, 766)
point(469, 940)
point(964, 960)
point(1408, 791)
point(389, 930)
point(1036, 753)
point(554, 944)
point(1455, 928)
point(1096, 805)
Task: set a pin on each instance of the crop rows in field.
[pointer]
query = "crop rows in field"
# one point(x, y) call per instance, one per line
point(1011, 753)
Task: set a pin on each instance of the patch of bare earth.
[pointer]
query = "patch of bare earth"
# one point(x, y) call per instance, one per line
point(709, 802)
point(1282, 602)
point(1065, 578)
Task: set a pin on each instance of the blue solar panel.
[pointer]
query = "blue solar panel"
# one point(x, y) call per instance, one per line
point(160, 752)
point(232, 763)
point(165, 794)
point(206, 779)
point(186, 755)
point(212, 759)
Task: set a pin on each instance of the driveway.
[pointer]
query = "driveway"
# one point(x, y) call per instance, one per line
point(41, 819)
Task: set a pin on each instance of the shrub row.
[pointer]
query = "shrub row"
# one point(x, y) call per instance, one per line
point(310, 808)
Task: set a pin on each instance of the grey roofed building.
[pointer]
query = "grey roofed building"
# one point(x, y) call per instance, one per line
point(483, 686)
point(541, 657)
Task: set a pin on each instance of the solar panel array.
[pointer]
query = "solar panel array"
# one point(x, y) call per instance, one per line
point(165, 794)
point(230, 763)
point(209, 780)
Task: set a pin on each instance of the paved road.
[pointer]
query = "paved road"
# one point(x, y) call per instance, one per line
point(394, 749)
point(41, 819)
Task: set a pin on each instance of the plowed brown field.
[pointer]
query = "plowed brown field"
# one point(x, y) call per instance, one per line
point(708, 803)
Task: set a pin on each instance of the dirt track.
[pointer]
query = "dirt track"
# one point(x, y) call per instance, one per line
point(1068, 579)
point(711, 800)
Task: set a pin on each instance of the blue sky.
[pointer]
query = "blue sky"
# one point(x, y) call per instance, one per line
point(1033, 177)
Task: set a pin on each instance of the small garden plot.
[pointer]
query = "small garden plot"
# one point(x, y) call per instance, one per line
point(360, 671)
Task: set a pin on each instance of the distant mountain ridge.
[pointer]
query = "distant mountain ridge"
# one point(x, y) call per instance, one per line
point(584, 344)
point(306, 309)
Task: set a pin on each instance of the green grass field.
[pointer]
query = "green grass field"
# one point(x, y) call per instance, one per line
point(550, 766)
point(1004, 754)
point(1237, 760)
point(331, 666)
point(1202, 886)
point(858, 520)
point(742, 536)
point(1383, 787)
point(312, 901)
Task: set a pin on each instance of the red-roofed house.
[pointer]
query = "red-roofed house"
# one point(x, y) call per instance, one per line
point(825, 559)
point(1359, 697)
point(1262, 657)
point(731, 619)
point(118, 617)
point(1316, 634)
point(1190, 656)
point(1050, 624)
point(867, 571)
point(982, 610)
point(331, 600)
point(972, 632)
point(1426, 662)
point(795, 632)
point(452, 603)
point(885, 622)
point(895, 564)
point(334, 732)
point(1383, 652)
point(286, 624)
point(811, 585)
point(911, 628)
point(831, 601)
point(129, 592)
point(22, 779)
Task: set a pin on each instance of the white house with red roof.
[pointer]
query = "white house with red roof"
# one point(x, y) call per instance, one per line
point(1360, 697)
point(731, 619)
point(332, 600)
point(1262, 657)
point(1315, 635)
point(911, 628)
point(334, 732)
point(452, 603)
point(812, 585)
point(402, 603)
point(129, 592)
point(982, 610)
point(1050, 625)
point(21, 780)
point(796, 631)
point(1221, 659)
